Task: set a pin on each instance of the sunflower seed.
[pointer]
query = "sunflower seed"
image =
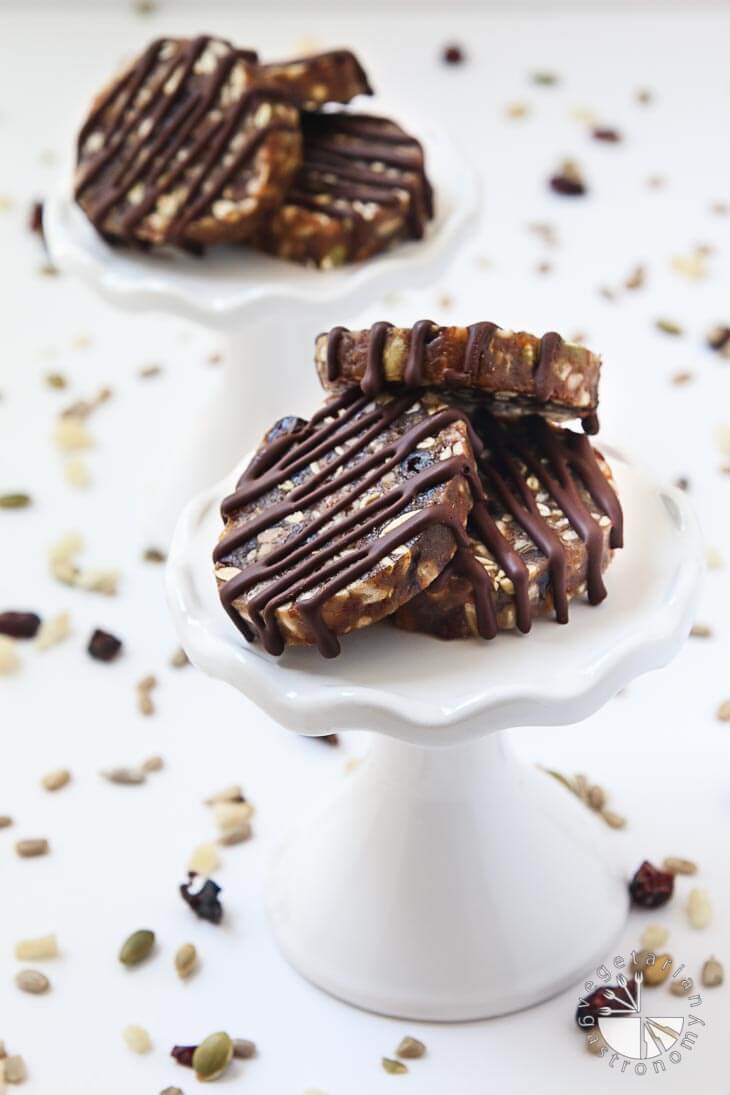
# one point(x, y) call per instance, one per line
point(204, 860)
point(33, 950)
point(613, 820)
point(32, 981)
point(213, 1056)
point(14, 1070)
point(676, 865)
point(712, 973)
point(54, 781)
point(137, 1039)
point(186, 959)
point(28, 849)
point(669, 327)
point(243, 1049)
point(395, 1068)
point(153, 764)
point(124, 775)
point(410, 1048)
point(699, 909)
point(137, 947)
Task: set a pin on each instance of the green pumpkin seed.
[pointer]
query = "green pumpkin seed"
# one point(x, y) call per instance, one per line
point(395, 1068)
point(14, 501)
point(213, 1056)
point(137, 947)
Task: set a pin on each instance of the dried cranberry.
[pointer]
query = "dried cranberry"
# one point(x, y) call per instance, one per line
point(567, 185)
point(605, 133)
point(19, 625)
point(650, 888)
point(453, 54)
point(183, 1055)
point(103, 646)
point(590, 1006)
point(204, 902)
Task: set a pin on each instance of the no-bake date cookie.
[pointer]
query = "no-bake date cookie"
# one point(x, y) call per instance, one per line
point(186, 146)
point(516, 370)
point(332, 77)
point(338, 521)
point(361, 188)
point(543, 529)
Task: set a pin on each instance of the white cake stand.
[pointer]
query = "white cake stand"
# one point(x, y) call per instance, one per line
point(268, 310)
point(445, 880)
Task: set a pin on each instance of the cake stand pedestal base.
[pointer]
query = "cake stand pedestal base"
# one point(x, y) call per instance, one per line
point(447, 884)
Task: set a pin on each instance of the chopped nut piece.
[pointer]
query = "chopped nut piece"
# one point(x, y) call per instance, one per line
point(154, 555)
point(32, 981)
point(9, 660)
point(595, 1042)
point(76, 472)
point(712, 973)
point(137, 1039)
point(701, 631)
point(53, 631)
point(699, 909)
point(723, 711)
point(237, 835)
point(29, 849)
point(71, 435)
point(54, 781)
point(656, 973)
point(14, 1070)
point(35, 950)
point(204, 860)
point(179, 659)
point(410, 1048)
point(676, 865)
point(654, 937)
point(229, 815)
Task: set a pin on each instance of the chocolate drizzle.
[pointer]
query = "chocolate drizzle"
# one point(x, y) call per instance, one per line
point(170, 128)
point(560, 460)
point(328, 555)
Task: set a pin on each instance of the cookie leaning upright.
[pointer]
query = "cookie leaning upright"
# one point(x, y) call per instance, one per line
point(338, 521)
point(186, 146)
point(332, 77)
point(515, 371)
point(362, 187)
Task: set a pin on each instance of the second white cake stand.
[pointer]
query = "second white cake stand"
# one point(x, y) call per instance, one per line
point(268, 311)
point(445, 879)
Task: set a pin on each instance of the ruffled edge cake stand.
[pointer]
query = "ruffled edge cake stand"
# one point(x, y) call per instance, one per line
point(268, 310)
point(445, 879)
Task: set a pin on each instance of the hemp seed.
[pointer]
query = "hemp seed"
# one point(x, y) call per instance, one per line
point(57, 779)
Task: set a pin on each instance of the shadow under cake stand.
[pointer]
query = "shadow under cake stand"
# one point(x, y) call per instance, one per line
point(269, 311)
point(445, 879)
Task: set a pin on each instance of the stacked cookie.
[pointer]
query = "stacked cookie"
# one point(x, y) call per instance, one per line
point(437, 486)
point(197, 142)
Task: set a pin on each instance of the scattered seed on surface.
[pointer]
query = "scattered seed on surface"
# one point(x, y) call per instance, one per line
point(699, 909)
point(148, 371)
point(19, 625)
point(29, 849)
point(204, 901)
point(394, 1068)
point(172, 1091)
point(179, 659)
point(5, 821)
point(669, 327)
point(153, 764)
point(613, 820)
point(607, 134)
point(145, 687)
point(681, 986)
point(128, 776)
point(56, 780)
point(229, 815)
point(35, 950)
point(56, 380)
point(53, 631)
point(544, 79)
point(154, 555)
point(701, 631)
point(228, 794)
point(595, 1042)
point(410, 1048)
point(243, 1049)
point(137, 1039)
point(235, 836)
point(18, 500)
point(213, 1056)
point(712, 973)
point(596, 797)
point(653, 937)
point(658, 972)
point(9, 660)
point(682, 377)
point(103, 646)
point(204, 860)
point(32, 981)
point(186, 960)
point(723, 711)
point(677, 865)
point(14, 1070)
point(137, 947)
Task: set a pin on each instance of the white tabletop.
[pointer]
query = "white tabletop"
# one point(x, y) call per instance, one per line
point(118, 853)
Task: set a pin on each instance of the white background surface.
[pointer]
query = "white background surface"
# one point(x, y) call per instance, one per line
point(119, 853)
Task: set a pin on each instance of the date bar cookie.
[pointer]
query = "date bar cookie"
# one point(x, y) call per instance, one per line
point(515, 370)
point(543, 529)
point(362, 187)
point(186, 147)
point(340, 520)
point(332, 77)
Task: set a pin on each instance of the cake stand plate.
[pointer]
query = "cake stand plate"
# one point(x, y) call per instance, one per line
point(446, 880)
point(269, 312)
